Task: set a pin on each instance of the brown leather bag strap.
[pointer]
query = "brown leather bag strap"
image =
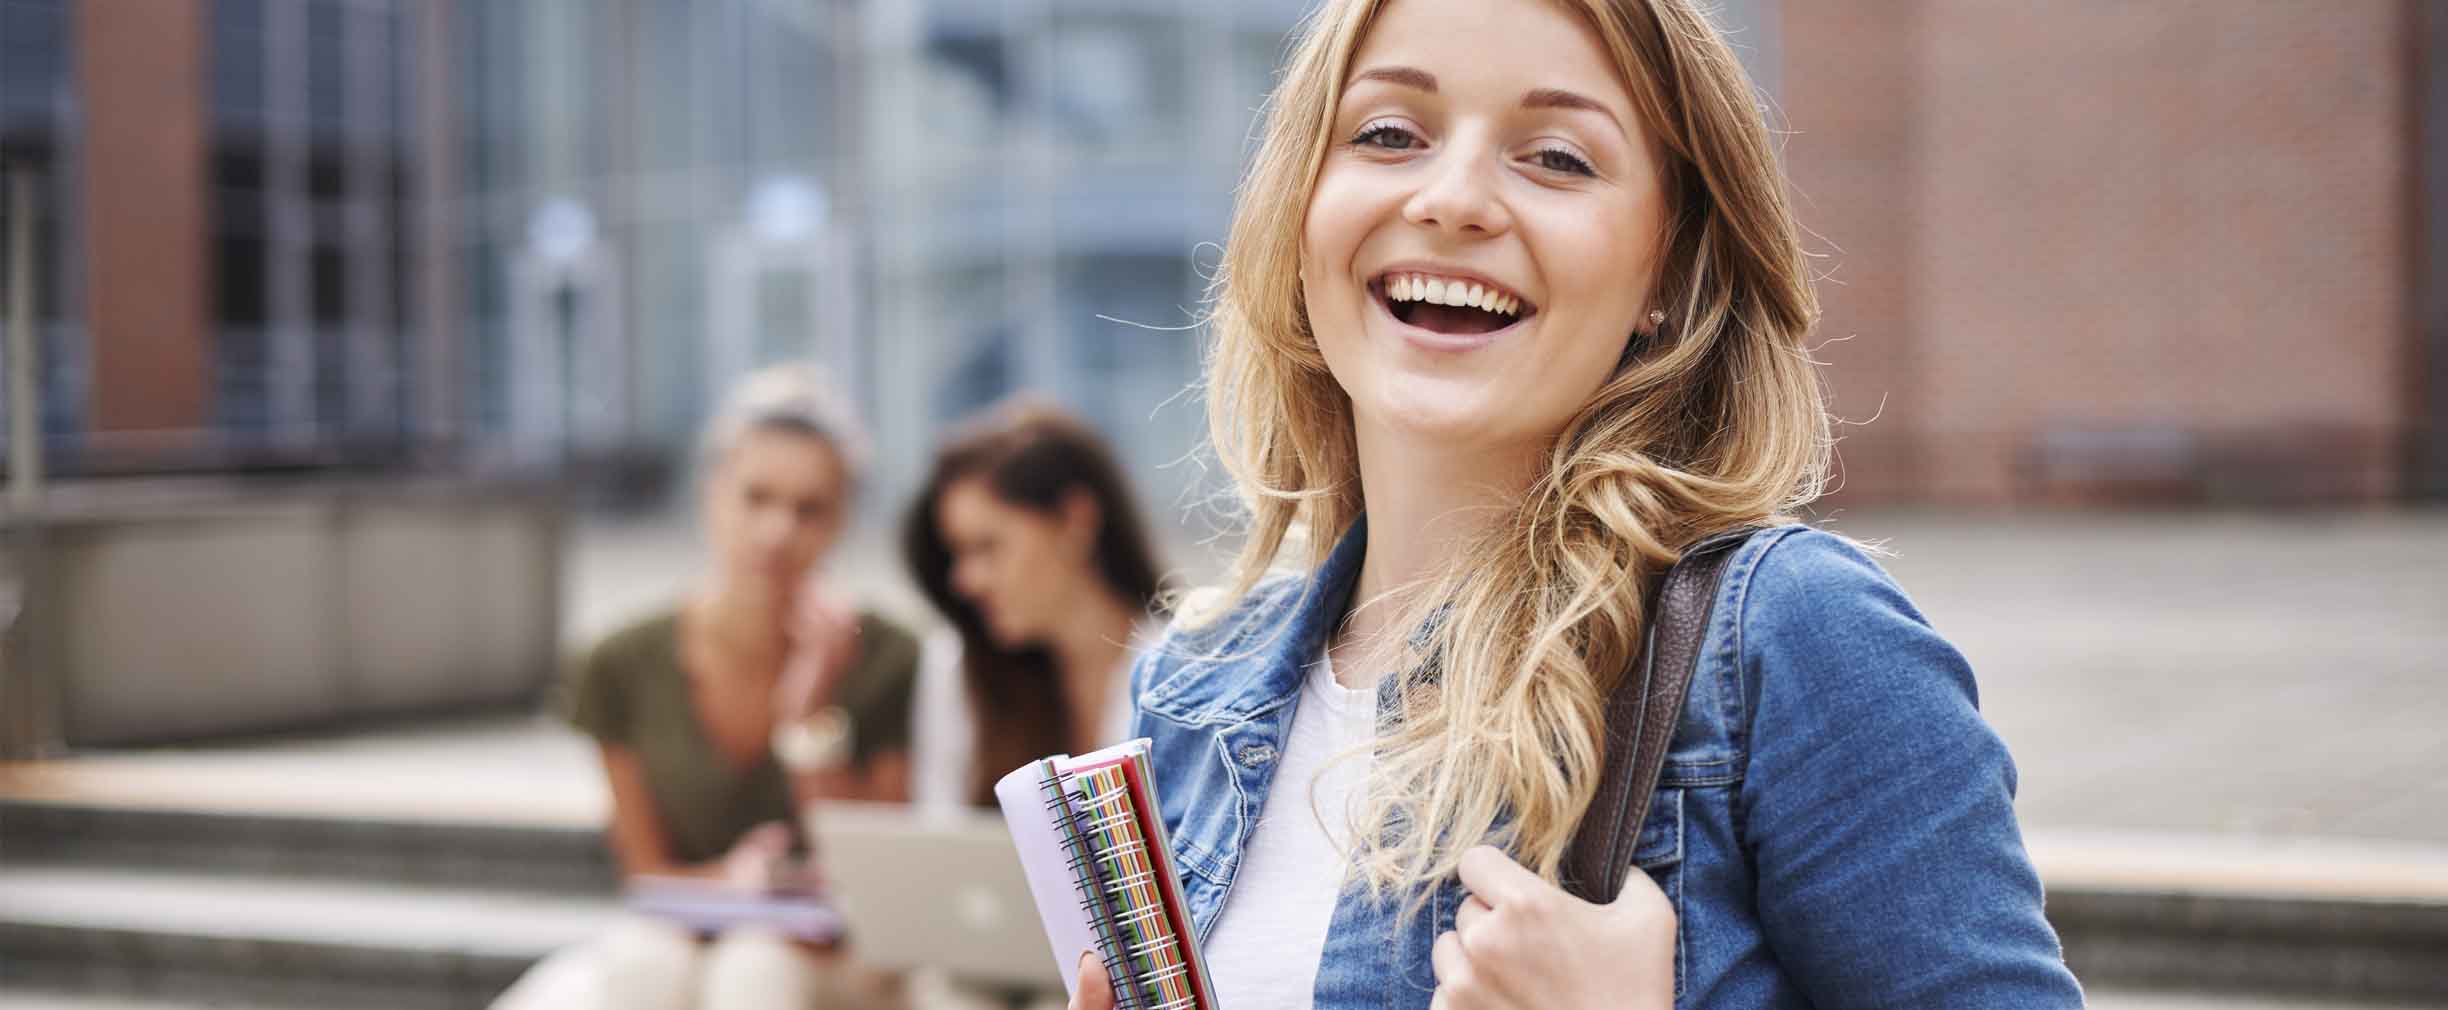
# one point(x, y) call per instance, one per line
point(1641, 717)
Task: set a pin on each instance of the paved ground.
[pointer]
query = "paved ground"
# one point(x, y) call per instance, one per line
point(2101, 1000)
point(2223, 699)
point(2256, 676)
point(2236, 675)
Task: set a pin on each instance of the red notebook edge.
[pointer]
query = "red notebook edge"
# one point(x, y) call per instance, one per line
point(1151, 827)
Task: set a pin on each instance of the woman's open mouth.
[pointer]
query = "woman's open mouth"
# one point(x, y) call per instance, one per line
point(1449, 305)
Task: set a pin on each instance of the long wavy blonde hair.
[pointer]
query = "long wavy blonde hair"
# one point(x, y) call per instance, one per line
point(1717, 422)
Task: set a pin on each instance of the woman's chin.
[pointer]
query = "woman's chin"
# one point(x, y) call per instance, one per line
point(1008, 638)
point(1444, 412)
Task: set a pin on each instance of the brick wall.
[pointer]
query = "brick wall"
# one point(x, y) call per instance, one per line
point(2109, 251)
point(140, 79)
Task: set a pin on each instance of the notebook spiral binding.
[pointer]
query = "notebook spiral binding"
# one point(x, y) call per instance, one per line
point(1106, 824)
point(1094, 899)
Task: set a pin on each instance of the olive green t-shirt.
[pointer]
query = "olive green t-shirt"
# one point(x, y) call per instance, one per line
point(630, 690)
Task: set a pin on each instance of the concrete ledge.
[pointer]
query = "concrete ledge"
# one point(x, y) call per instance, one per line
point(256, 940)
point(541, 858)
point(2315, 918)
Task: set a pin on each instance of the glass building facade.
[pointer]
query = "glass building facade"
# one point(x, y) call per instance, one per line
point(311, 160)
point(944, 203)
point(38, 141)
point(530, 232)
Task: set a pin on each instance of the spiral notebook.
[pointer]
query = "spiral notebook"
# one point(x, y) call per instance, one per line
point(1093, 849)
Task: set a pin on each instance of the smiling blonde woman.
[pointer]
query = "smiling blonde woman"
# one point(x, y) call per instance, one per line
point(1512, 313)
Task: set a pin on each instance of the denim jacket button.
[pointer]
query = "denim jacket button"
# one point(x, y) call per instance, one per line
point(1256, 754)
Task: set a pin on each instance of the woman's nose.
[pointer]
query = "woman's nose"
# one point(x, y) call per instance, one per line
point(1458, 194)
point(967, 580)
point(772, 528)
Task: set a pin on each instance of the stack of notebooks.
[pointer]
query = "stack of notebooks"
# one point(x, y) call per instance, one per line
point(1094, 851)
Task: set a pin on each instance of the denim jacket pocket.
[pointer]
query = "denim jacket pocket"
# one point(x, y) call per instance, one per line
point(1661, 833)
point(1659, 853)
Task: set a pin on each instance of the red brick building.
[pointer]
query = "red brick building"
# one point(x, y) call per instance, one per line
point(2105, 251)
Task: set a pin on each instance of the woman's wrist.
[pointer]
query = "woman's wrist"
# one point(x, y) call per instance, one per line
point(818, 741)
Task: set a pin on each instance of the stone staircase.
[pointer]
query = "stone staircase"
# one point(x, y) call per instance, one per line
point(329, 875)
point(318, 879)
point(2312, 920)
point(210, 908)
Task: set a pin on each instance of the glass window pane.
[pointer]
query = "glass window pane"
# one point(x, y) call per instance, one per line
point(239, 271)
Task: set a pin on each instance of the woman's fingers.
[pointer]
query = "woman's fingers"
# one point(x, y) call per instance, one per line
point(1459, 986)
point(754, 861)
point(1496, 879)
point(1448, 964)
point(824, 644)
point(1469, 916)
point(1095, 990)
point(1641, 895)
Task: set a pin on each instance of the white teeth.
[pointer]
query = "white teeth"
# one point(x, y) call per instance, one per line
point(1438, 291)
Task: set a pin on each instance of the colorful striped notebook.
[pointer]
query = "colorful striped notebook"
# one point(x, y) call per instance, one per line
point(1094, 851)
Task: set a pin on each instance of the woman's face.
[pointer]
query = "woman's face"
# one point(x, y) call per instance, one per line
point(1483, 153)
point(1020, 567)
point(774, 504)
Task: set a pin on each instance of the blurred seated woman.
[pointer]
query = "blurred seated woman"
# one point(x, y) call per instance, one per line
point(1025, 536)
point(720, 718)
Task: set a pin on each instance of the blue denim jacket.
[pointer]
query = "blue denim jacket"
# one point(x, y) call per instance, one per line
point(1835, 825)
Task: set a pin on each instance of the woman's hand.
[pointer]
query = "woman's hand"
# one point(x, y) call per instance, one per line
point(1521, 943)
point(1095, 990)
point(756, 863)
point(823, 645)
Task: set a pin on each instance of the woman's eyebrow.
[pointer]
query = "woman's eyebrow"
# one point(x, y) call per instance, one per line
point(1558, 98)
point(1535, 98)
point(1408, 77)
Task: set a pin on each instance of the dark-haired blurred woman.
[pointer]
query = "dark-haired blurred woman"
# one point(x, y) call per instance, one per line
point(1026, 537)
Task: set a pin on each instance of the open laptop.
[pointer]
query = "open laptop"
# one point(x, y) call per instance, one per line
point(938, 890)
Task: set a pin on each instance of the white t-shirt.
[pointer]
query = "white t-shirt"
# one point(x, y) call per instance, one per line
point(943, 728)
point(1265, 951)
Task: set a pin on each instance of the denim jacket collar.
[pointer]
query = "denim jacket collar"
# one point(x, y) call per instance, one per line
point(1278, 656)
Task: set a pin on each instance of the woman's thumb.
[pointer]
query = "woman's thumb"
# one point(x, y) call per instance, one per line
point(1095, 986)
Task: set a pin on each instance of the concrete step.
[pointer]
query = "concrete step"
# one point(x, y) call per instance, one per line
point(2300, 919)
point(554, 857)
point(56, 999)
point(220, 939)
point(2154, 999)
point(514, 811)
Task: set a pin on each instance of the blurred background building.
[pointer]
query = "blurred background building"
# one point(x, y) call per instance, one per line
point(373, 233)
point(2137, 314)
point(541, 233)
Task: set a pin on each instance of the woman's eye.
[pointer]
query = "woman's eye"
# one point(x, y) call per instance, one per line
point(1557, 159)
point(1386, 135)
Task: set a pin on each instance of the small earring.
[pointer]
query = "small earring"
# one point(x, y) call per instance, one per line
point(1657, 317)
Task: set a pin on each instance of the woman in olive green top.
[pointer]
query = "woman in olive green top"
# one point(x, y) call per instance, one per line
point(717, 720)
point(635, 695)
